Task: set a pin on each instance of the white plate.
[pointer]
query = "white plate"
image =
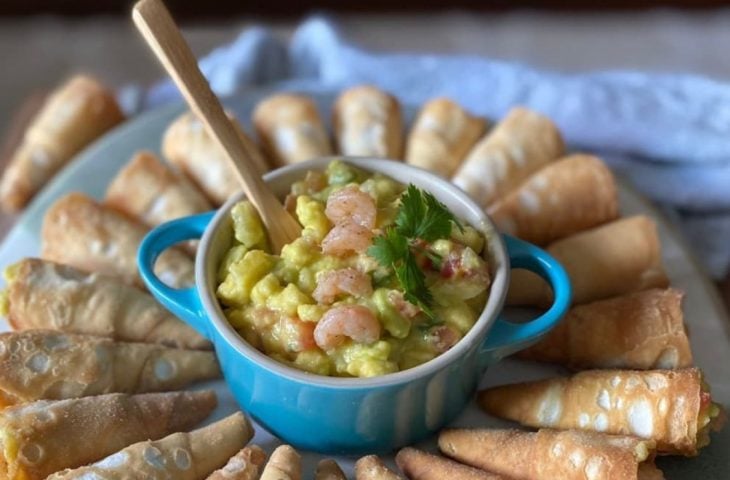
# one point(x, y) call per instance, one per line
point(704, 314)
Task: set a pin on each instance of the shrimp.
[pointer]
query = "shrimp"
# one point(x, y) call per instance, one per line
point(347, 238)
point(336, 282)
point(351, 205)
point(353, 321)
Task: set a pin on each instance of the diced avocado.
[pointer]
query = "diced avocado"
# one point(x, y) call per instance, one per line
point(469, 236)
point(243, 275)
point(395, 323)
point(300, 253)
point(383, 189)
point(341, 173)
point(458, 315)
point(265, 288)
point(233, 255)
point(313, 361)
point(360, 360)
point(288, 300)
point(311, 313)
point(311, 215)
point(247, 226)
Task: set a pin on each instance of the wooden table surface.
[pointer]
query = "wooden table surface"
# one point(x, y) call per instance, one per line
point(43, 50)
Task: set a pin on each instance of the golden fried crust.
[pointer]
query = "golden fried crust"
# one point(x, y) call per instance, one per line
point(567, 455)
point(661, 405)
point(76, 113)
point(372, 468)
point(368, 122)
point(53, 435)
point(245, 465)
point(442, 135)
point(284, 464)
point(47, 295)
point(42, 364)
point(153, 193)
point(519, 145)
point(610, 260)
point(328, 469)
point(188, 146)
point(419, 465)
point(80, 232)
point(290, 129)
point(575, 193)
point(182, 456)
point(641, 330)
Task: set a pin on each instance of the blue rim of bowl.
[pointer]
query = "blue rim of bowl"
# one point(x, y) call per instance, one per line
point(495, 301)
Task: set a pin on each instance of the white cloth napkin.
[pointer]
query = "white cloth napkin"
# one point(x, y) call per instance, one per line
point(669, 134)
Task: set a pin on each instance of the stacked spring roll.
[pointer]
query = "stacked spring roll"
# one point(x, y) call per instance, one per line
point(367, 122)
point(45, 295)
point(673, 408)
point(41, 364)
point(182, 456)
point(46, 436)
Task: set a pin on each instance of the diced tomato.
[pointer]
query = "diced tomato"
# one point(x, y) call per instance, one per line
point(705, 400)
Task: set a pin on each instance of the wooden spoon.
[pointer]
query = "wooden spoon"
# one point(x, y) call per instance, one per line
point(163, 36)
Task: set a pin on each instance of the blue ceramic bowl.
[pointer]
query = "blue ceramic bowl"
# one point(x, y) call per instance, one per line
point(353, 415)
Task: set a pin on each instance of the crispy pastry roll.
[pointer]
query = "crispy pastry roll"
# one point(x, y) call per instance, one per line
point(641, 331)
point(42, 364)
point(328, 469)
point(442, 135)
point(284, 464)
point(245, 465)
point(372, 468)
point(520, 144)
point(564, 197)
point(80, 232)
point(75, 114)
point(153, 193)
point(616, 258)
point(552, 454)
point(43, 437)
point(672, 407)
point(188, 146)
point(46, 295)
point(368, 122)
point(180, 456)
point(291, 129)
point(419, 465)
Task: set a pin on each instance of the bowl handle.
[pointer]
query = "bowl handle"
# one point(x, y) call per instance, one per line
point(183, 302)
point(506, 338)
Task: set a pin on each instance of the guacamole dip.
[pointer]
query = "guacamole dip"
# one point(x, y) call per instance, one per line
point(383, 277)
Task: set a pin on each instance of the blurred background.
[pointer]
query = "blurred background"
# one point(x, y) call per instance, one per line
point(43, 41)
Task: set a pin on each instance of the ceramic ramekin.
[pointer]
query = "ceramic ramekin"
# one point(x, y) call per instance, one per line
point(353, 415)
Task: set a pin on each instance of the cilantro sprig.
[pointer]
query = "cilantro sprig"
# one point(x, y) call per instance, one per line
point(421, 218)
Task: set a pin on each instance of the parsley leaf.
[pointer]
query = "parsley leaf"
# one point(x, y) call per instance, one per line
point(421, 218)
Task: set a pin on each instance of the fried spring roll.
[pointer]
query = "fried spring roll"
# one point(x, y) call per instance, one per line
point(180, 456)
point(284, 464)
point(642, 331)
point(442, 135)
point(372, 468)
point(419, 465)
point(551, 454)
point(41, 364)
point(368, 122)
point(188, 146)
point(43, 437)
point(290, 129)
point(153, 193)
point(80, 232)
point(245, 465)
point(564, 197)
point(76, 113)
point(616, 258)
point(672, 407)
point(522, 143)
point(45, 295)
point(328, 469)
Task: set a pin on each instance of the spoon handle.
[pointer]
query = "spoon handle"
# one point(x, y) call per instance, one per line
point(163, 36)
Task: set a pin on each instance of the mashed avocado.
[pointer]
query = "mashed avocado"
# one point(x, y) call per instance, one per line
point(326, 305)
